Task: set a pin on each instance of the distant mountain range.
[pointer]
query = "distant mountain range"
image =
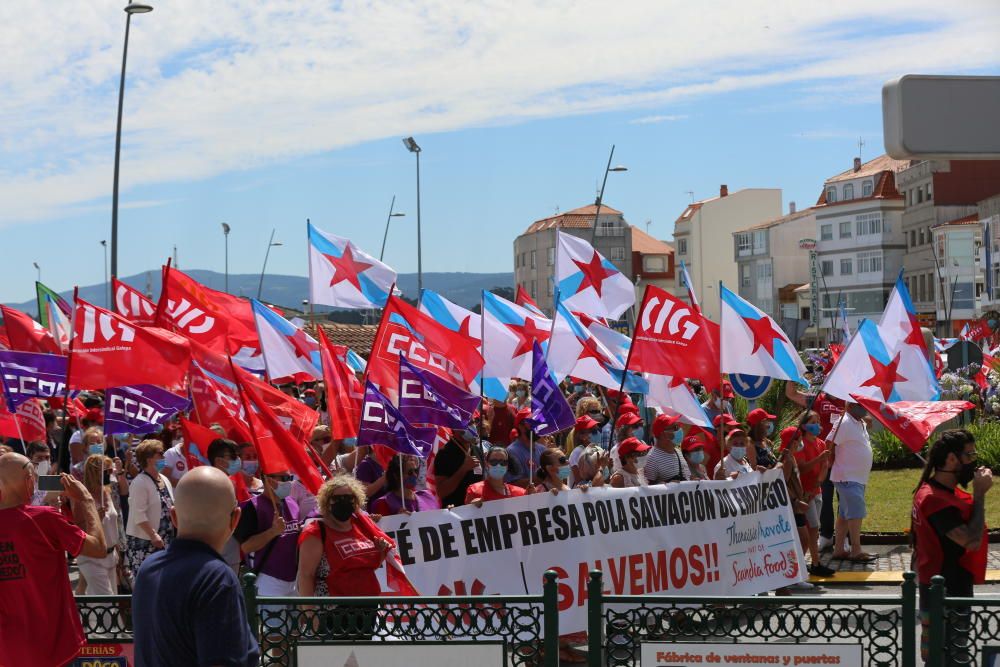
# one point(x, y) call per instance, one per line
point(290, 291)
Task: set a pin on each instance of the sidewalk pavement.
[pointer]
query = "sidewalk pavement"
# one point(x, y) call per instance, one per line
point(893, 560)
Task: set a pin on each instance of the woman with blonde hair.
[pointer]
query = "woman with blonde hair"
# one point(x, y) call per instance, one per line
point(101, 573)
point(150, 499)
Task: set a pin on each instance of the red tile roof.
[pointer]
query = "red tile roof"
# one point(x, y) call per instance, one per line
point(885, 187)
point(774, 222)
point(581, 218)
point(870, 168)
point(971, 219)
point(358, 337)
point(647, 245)
point(690, 211)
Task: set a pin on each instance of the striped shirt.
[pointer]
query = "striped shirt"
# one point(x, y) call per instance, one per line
point(663, 466)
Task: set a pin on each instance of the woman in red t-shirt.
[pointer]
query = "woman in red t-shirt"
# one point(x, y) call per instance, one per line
point(339, 554)
point(493, 487)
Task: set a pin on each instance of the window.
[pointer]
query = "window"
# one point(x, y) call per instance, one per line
point(744, 245)
point(831, 195)
point(920, 195)
point(763, 270)
point(868, 223)
point(866, 189)
point(759, 242)
point(913, 238)
point(846, 267)
point(788, 311)
point(745, 275)
point(532, 289)
point(867, 302)
point(618, 253)
point(609, 228)
point(654, 263)
point(870, 262)
point(930, 287)
point(533, 261)
point(848, 191)
point(826, 232)
point(682, 246)
point(552, 256)
point(845, 230)
point(922, 241)
point(929, 197)
point(922, 289)
point(827, 267)
point(766, 304)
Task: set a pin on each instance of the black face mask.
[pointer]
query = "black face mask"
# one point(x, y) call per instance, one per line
point(966, 473)
point(342, 508)
point(107, 478)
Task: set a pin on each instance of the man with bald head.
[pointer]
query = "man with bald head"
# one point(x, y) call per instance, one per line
point(34, 580)
point(187, 604)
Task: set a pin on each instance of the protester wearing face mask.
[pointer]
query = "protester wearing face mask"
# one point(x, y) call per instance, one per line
point(40, 456)
point(493, 486)
point(223, 455)
point(584, 407)
point(101, 573)
point(792, 447)
point(814, 464)
point(759, 452)
point(625, 429)
point(694, 453)
point(268, 532)
point(524, 453)
point(593, 467)
point(150, 498)
point(718, 402)
point(91, 444)
point(554, 471)
point(246, 482)
point(583, 434)
point(734, 463)
point(949, 525)
point(457, 466)
point(402, 495)
point(664, 462)
point(632, 452)
point(852, 465)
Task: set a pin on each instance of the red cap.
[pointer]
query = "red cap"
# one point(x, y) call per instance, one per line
point(662, 422)
point(521, 415)
point(758, 415)
point(692, 442)
point(727, 389)
point(735, 431)
point(631, 445)
point(585, 423)
point(94, 415)
point(729, 420)
point(787, 434)
point(628, 419)
point(627, 407)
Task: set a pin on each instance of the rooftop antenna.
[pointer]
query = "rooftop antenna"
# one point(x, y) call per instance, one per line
point(648, 223)
point(690, 193)
point(861, 143)
point(176, 265)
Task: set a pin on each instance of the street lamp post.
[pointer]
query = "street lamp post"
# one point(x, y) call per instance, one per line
point(270, 244)
point(225, 233)
point(38, 269)
point(600, 196)
point(107, 285)
point(131, 8)
point(412, 146)
point(387, 220)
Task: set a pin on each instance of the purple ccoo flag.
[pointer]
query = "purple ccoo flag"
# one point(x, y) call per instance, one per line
point(425, 398)
point(382, 424)
point(550, 413)
point(140, 408)
point(28, 375)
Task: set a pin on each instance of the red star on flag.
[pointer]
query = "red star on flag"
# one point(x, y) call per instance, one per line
point(463, 328)
point(915, 337)
point(527, 333)
point(346, 268)
point(594, 273)
point(886, 375)
point(301, 343)
point(764, 334)
point(591, 351)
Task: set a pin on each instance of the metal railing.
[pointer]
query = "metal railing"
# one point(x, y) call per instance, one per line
point(882, 625)
point(959, 628)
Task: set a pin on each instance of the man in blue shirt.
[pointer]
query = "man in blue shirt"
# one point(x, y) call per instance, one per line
point(187, 604)
point(523, 458)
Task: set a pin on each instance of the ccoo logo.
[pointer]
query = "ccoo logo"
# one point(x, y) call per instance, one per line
point(673, 315)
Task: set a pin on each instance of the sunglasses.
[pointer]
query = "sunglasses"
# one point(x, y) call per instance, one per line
point(563, 460)
point(280, 478)
point(497, 462)
point(414, 471)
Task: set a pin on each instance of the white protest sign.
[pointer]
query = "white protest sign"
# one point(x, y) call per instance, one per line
point(734, 537)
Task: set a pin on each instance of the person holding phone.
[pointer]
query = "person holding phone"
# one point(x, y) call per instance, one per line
point(34, 589)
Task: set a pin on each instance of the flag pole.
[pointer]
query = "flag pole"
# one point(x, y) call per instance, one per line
point(402, 486)
point(621, 389)
point(482, 388)
point(722, 386)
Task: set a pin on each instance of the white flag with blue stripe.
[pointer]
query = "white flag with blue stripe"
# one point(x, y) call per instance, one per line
point(343, 276)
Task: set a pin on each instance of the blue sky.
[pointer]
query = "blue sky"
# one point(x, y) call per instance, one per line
point(273, 112)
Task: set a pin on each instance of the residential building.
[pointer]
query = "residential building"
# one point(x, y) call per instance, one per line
point(860, 242)
point(702, 230)
point(635, 253)
point(960, 280)
point(989, 215)
point(770, 264)
point(937, 192)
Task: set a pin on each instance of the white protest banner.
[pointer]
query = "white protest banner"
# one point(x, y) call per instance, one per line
point(734, 537)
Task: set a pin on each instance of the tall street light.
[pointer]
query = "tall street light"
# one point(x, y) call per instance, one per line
point(412, 146)
point(130, 9)
point(600, 196)
point(225, 233)
point(107, 285)
point(38, 269)
point(270, 244)
point(392, 215)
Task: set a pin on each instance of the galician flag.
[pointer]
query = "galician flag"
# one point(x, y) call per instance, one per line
point(902, 335)
point(575, 351)
point(753, 343)
point(508, 334)
point(588, 282)
point(673, 397)
point(289, 352)
point(341, 275)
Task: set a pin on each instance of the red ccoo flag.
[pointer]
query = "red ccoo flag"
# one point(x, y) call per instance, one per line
point(26, 335)
point(344, 394)
point(109, 351)
point(671, 339)
point(277, 449)
point(425, 343)
point(913, 421)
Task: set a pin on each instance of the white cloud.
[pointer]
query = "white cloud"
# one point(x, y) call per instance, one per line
point(236, 84)
point(650, 120)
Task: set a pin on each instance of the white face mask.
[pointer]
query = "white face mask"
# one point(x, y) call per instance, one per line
point(42, 468)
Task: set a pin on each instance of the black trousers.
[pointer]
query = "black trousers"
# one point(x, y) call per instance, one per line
point(826, 517)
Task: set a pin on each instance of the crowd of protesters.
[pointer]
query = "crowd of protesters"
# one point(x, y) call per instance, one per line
point(136, 518)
